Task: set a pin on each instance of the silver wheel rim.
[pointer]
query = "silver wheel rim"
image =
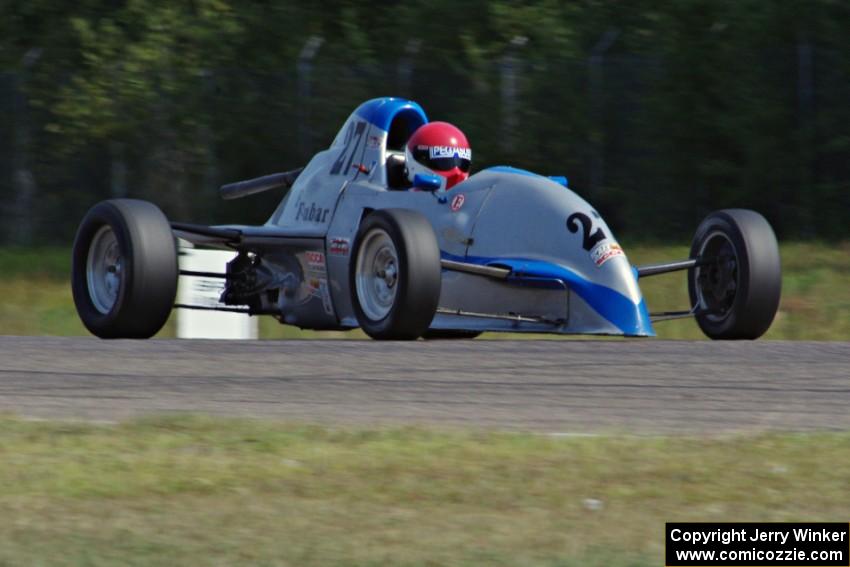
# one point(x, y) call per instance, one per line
point(104, 269)
point(727, 279)
point(376, 275)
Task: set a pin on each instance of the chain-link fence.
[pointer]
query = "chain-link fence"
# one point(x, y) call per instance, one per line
point(652, 147)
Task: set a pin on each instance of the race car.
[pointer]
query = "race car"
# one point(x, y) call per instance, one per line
point(355, 243)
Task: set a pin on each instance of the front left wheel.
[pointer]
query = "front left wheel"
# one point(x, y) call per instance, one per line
point(395, 274)
point(124, 269)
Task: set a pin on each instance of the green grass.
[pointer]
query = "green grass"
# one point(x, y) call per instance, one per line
point(36, 298)
point(198, 491)
point(815, 301)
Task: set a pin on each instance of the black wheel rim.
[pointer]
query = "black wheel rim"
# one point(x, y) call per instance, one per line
point(716, 280)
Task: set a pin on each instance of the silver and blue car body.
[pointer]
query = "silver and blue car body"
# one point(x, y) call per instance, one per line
point(520, 252)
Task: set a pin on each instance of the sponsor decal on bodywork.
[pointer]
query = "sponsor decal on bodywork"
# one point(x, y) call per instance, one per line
point(311, 213)
point(317, 279)
point(450, 151)
point(314, 266)
point(325, 294)
point(457, 202)
point(318, 287)
point(603, 252)
point(339, 246)
point(315, 259)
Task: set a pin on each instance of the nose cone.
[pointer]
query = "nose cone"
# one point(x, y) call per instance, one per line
point(617, 301)
point(605, 280)
point(525, 225)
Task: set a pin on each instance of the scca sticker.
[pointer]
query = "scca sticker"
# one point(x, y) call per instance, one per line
point(457, 202)
point(604, 252)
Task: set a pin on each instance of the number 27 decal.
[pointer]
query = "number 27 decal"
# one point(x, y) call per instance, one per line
point(353, 136)
point(590, 237)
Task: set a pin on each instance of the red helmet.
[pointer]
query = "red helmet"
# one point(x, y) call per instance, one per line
point(439, 148)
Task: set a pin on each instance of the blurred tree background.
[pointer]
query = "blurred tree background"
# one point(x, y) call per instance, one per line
point(657, 111)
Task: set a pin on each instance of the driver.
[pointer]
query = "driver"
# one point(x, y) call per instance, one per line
point(439, 148)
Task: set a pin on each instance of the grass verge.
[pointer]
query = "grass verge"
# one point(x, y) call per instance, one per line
point(199, 491)
point(36, 296)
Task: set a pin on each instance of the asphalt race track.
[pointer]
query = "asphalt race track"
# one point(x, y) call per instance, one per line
point(569, 387)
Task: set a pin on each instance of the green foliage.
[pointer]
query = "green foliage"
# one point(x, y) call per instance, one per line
point(36, 296)
point(696, 105)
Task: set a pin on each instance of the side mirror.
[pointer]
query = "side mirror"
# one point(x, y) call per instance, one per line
point(427, 182)
point(560, 180)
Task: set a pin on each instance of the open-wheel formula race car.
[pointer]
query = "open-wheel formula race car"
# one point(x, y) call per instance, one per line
point(351, 245)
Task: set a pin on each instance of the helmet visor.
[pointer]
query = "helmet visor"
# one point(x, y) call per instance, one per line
point(442, 162)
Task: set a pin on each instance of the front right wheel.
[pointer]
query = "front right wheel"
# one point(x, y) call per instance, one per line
point(395, 274)
point(736, 285)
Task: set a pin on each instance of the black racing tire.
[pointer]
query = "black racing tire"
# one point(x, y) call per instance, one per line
point(395, 274)
point(738, 294)
point(124, 269)
point(449, 334)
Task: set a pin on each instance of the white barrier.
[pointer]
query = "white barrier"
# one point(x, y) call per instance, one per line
point(204, 291)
